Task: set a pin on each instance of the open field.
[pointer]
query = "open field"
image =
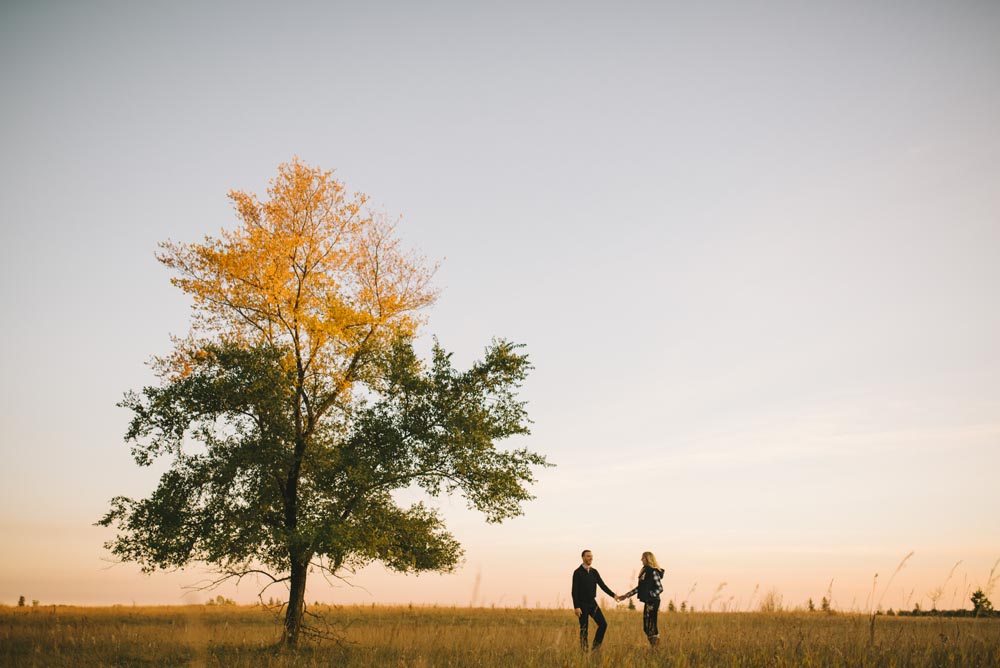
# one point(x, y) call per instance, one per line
point(210, 636)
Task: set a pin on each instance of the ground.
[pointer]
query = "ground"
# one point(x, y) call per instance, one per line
point(245, 637)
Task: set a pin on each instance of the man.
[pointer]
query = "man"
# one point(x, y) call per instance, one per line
point(585, 582)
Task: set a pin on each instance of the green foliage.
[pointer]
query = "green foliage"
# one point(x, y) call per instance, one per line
point(248, 488)
point(981, 605)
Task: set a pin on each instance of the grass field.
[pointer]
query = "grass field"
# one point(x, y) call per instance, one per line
point(211, 636)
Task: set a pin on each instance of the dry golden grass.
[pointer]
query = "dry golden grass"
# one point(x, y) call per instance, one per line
point(214, 636)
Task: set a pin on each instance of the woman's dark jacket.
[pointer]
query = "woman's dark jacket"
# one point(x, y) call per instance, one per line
point(650, 585)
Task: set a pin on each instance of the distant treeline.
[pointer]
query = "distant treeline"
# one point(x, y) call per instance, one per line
point(917, 612)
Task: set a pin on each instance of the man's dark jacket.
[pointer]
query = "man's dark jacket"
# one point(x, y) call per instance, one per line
point(585, 584)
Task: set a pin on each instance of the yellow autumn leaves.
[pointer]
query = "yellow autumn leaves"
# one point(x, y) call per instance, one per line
point(310, 268)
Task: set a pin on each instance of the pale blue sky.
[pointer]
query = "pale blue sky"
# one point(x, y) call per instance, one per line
point(753, 252)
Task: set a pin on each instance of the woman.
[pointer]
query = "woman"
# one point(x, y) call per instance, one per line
point(649, 589)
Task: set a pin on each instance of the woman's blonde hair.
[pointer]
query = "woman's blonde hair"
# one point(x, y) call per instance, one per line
point(650, 559)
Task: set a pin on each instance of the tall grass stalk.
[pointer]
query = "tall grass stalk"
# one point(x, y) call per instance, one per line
point(873, 610)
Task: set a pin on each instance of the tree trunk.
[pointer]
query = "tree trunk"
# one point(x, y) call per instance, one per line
point(296, 604)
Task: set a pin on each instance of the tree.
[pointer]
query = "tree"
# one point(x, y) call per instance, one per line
point(20, 602)
point(981, 605)
point(824, 604)
point(811, 605)
point(297, 405)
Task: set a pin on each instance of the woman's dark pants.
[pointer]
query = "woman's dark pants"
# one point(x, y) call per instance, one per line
point(649, 613)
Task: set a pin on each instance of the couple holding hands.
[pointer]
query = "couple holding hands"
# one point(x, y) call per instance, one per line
point(586, 579)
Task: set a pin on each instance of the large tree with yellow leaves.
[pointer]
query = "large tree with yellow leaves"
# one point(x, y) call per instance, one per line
point(296, 405)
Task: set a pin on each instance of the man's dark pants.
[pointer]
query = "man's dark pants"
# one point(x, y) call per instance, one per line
point(602, 626)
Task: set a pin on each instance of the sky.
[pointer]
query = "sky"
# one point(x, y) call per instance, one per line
point(753, 253)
